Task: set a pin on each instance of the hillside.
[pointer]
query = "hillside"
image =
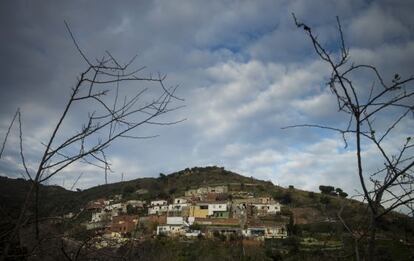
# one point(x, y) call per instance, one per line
point(56, 199)
point(176, 183)
point(13, 193)
point(310, 218)
point(308, 206)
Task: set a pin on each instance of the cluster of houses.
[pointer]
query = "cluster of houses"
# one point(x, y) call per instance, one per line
point(208, 211)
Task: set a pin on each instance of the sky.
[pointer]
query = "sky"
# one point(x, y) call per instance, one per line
point(243, 68)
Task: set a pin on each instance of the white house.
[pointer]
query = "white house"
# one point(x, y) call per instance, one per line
point(176, 221)
point(216, 207)
point(178, 205)
point(157, 207)
point(270, 208)
point(265, 200)
point(158, 203)
point(136, 203)
point(257, 232)
point(276, 232)
point(171, 230)
point(180, 201)
point(153, 210)
point(108, 202)
point(101, 216)
point(262, 232)
point(205, 190)
point(117, 209)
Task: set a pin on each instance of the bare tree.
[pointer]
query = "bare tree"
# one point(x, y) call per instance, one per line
point(368, 109)
point(107, 117)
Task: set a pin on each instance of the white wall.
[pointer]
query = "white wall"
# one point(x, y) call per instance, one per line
point(216, 207)
point(175, 221)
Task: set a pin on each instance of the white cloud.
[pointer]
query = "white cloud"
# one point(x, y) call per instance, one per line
point(244, 92)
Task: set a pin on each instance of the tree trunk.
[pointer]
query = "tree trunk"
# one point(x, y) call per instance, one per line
point(36, 206)
point(372, 237)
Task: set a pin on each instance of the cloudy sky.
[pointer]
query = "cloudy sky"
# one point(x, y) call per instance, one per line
point(244, 70)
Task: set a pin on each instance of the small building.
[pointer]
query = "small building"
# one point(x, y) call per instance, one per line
point(262, 232)
point(95, 225)
point(171, 230)
point(180, 201)
point(199, 210)
point(176, 221)
point(238, 211)
point(158, 207)
point(224, 230)
point(218, 189)
point(136, 203)
point(123, 224)
point(117, 209)
point(265, 200)
point(221, 214)
point(157, 210)
point(108, 202)
point(206, 190)
point(256, 232)
point(96, 205)
point(276, 232)
point(178, 205)
point(159, 202)
point(267, 208)
point(215, 207)
point(101, 216)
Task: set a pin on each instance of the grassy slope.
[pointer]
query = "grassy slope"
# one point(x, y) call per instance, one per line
point(57, 200)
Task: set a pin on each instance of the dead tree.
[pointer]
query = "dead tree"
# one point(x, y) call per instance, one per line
point(368, 110)
point(107, 116)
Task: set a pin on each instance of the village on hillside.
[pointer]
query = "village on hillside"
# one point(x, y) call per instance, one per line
point(208, 211)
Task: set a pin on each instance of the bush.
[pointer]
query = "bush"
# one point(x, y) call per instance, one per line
point(127, 190)
point(292, 243)
point(286, 199)
point(195, 227)
point(326, 189)
point(325, 200)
